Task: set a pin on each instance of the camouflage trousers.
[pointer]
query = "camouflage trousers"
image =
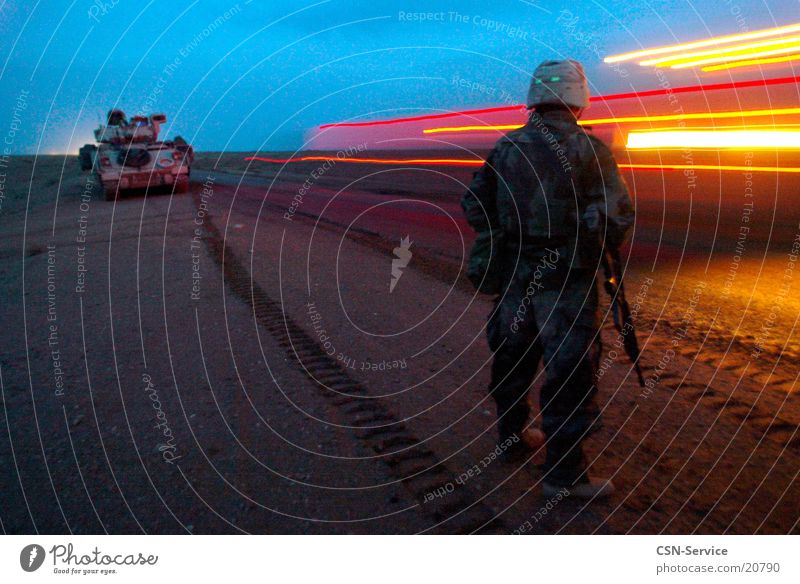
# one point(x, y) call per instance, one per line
point(551, 315)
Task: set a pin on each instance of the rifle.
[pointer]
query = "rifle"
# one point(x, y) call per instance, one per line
point(620, 310)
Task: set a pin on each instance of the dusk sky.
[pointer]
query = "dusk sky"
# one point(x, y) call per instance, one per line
point(257, 75)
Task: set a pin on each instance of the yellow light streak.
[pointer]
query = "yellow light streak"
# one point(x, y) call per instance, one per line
point(630, 119)
point(704, 43)
point(679, 57)
point(744, 126)
point(792, 169)
point(473, 129)
point(751, 63)
point(728, 58)
point(448, 129)
point(717, 139)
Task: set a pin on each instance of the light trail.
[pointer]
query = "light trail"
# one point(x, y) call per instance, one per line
point(742, 168)
point(393, 161)
point(472, 129)
point(478, 162)
point(764, 33)
point(750, 47)
point(793, 48)
point(750, 63)
point(505, 108)
point(594, 98)
point(717, 139)
point(632, 119)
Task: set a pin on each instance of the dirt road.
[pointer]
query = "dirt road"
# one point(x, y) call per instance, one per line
point(237, 360)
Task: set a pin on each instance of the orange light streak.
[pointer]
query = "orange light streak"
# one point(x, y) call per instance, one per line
point(477, 162)
point(792, 169)
point(704, 43)
point(428, 161)
point(716, 139)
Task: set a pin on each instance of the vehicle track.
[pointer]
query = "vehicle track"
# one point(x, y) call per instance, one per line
point(417, 468)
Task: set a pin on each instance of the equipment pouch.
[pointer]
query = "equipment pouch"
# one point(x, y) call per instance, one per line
point(484, 269)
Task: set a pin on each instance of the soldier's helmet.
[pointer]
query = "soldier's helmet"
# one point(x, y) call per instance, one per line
point(559, 83)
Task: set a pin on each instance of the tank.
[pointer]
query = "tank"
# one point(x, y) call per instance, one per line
point(128, 155)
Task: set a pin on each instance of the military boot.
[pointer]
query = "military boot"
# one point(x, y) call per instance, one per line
point(590, 488)
point(520, 451)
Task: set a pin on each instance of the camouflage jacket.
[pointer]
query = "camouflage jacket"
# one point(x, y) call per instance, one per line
point(551, 184)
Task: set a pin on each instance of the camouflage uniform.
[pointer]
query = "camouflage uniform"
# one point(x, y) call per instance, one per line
point(536, 184)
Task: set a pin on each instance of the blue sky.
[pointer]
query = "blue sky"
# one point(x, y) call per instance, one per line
point(247, 76)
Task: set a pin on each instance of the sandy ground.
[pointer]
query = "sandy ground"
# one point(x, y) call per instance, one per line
point(211, 304)
point(137, 352)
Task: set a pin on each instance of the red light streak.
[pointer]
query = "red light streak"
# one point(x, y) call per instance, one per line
point(629, 95)
point(505, 108)
point(630, 119)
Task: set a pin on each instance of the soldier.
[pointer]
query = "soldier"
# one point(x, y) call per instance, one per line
point(116, 117)
point(549, 197)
